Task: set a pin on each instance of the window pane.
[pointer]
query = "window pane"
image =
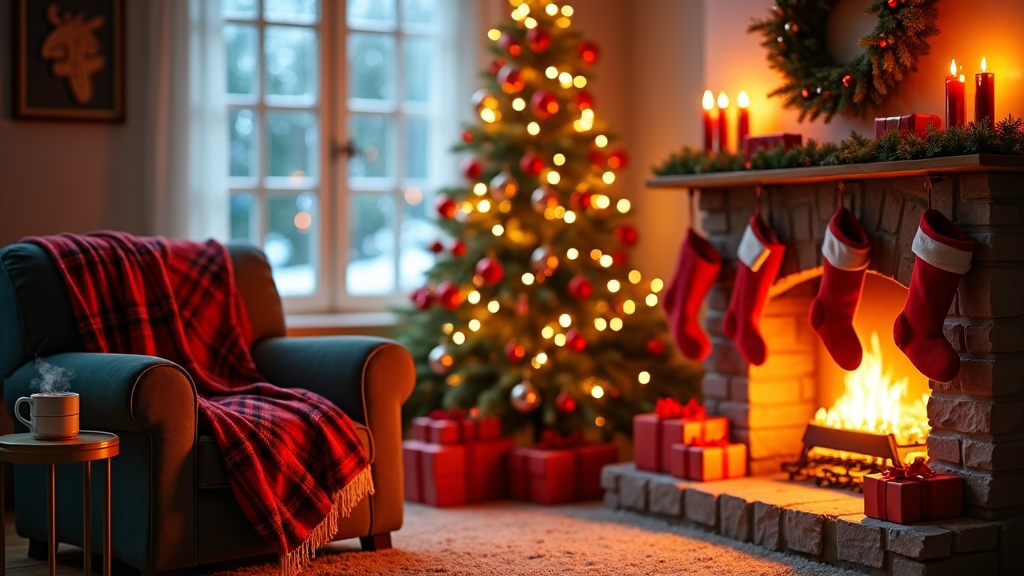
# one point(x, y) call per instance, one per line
point(371, 12)
point(290, 244)
point(373, 135)
point(417, 232)
point(242, 222)
point(291, 55)
point(292, 139)
point(293, 11)
point(416, 147)
point(371, 65)
point(371, 257)
point(242, 126)
point(240, 43)
point(241, 9)
point(418, 11)
point(417, 55)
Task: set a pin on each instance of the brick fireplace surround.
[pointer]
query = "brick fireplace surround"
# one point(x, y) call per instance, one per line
point(977, 419)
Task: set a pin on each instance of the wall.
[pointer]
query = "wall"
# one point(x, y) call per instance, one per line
point(60, 176)
point(734, 61)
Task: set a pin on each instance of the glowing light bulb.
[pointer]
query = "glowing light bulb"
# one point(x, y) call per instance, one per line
point(599, 421)
point(615, 324)
point(579, 81)
point(565, 320)
point(622, 206)
point(547, 332)
point(559, 159)
point(708, 102)
point(629, 306)
point(723, 100)
point(600, 324)
point(652, 300)
point(601, 140)
point(566, 10)
point(493, 306)
point(551, 72)
point(572, 253)
point(742, 100)
point(634, 276)
point(519, 104)
point(613, 286)
point(565, 79)
point(505, 207)
point(447, 328)
point(483, 205)
point(479, 188)
point(528, 279)
point(494, 34)
point(530, 23)
point(533, 128)
point(554, 177)
point(601, 201)
point(542, 358)
point(459, 338)
point(474, 325)
point(488, 115)
point(597, 391)
point(517, 16)
point(473, 297)
point(644, 377)
point(595, 254)
point(606, 261)
point(569, 217)
point(524, 9)
point(551, 9)
point(466, 207)
point(559, 339)
point(498, 230)
point(657, 285)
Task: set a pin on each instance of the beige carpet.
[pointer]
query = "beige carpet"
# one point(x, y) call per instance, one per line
point(519, 539)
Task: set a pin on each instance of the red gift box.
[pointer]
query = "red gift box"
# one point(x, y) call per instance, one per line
point(647, 442)
point(559, 470)
point(717, 461)
point(411, 472)
point(916, 123)
point(421, 428)
point(670, 423)
point(677, 461)
point(452, 427)
point(752, 144)
point(487, 469)
point(913, 494)
point(443, 474)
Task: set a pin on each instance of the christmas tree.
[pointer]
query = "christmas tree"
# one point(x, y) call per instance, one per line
point(533, 313)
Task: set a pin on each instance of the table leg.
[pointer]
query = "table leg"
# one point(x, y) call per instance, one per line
point(52, 513)
point(87, 515)
point(106, 522)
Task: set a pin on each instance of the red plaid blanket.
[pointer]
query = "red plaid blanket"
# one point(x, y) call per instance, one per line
point(295, 462)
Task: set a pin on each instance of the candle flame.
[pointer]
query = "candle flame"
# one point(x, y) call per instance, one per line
point(743, 100)
point(723, 100)
point(984, 65)
point(709, 100)
point(952, 67)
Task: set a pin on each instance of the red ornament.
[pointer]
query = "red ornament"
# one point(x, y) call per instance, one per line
point(514, 351)
point(448, 295)
point(490, 269)
point(436, 247)
point(538, 39)
point(522, 304)
point(510, 45)
point(626, 234)
point(446, 207)
point(459, 248)
point(883, 43)
point(847, 80)
point(543, 104)
point(619, 258)
point(467, 136)
point(565, 403)
point(618, 159)
point(580, 287)
point(893, 3)
point(422, 298)
point(511, 79)
point(580, 200)
point(531, 164)
point(589, 52)
point(472, 168)
point(583, 100)
point(596, 157)
point(805, 93)
point(655, 346)
point(575, 341)
point(496, 65)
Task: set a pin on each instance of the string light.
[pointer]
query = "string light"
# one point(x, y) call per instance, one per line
point(623, 205)
point(488, 115)
point(494, 34)
point(498, 230)
point(597, 391)
point(644, 377)
point(615, 324)
point(479, 188)
point(533, 128)
point(600, 324)
point(458, 338)
point(524, 9)
point(505, 206)
point(565, 79)
point(572, 253)
point(551, 9)
point(569, 217)
point(634, 276)
point(601, 141)
point(483, 205)
point(559, 339)
point(519, 104)
point(559, 159)
point(599, 421)
point(551, 72)
point(607, 260)
point(474, 325)
point(595, 254)
point(559, 212)
point(613, 286)
point(608, 178)
point(453, 380)
point(493, 306)
point(530, 23)
point(657, 285)
point(542, 358)
point(554, 177)
point(579, 81)
point(528, 279)
point(652, 300)
point(629, 306)
point(562, 22)
point(566, 10)
point(565, 320)
point(601, 201)
point(447, 328)
point(466, 207)
point(473, 297)
point(547, 332)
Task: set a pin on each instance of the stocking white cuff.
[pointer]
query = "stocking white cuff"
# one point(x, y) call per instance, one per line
point(752, 251)
point(941, 255)
point(842, 255)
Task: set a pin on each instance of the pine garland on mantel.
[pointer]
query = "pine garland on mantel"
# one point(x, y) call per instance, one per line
point(1006, 137)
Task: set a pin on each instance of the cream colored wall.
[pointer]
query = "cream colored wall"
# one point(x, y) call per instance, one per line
point(58, 176)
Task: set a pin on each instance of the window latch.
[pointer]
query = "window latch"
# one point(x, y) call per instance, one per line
point(347, 149)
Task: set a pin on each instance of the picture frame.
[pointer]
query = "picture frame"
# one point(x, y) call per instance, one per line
point(69, 60)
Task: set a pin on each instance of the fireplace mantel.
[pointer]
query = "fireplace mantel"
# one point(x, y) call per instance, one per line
point(872, 171)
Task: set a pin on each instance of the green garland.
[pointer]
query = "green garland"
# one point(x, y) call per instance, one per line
point(816, 84)
point(1006, 137)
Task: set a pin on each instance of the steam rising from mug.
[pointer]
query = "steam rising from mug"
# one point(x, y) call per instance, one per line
point(52, 378)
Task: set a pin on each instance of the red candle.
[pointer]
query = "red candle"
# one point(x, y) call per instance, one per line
point(709, 127)
point(723, 123)
point(954, 97)
point(743, 119)
point(985, 96)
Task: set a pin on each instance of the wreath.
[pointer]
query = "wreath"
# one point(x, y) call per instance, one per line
point(816, 84)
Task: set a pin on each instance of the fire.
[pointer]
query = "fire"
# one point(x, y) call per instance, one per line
point(873, 401)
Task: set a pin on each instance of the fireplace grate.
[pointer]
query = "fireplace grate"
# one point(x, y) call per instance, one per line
point(832, 471)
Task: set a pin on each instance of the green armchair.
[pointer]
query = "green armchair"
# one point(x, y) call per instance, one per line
point(172, 506)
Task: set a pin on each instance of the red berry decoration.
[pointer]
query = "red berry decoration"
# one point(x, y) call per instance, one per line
point(565, 403)
point(436, 247)
point(847, 80)
point(459, 248)
point(580, 288)
point(626, 234)
point(467, 136)
point(655, 346)
point(472, 168)
point(514, 351)
point(422, 298)
point(531, 164)
point(589, 52)
point(538, 39)
point(893, 3)
point(543, 104)
point(580, 200)
point(618, 159)
point(448, 295)
point(619, 258)
point(596, 157)
point(575, 341)
point(511, 79)
point(490, 269)
point(446, 207)
point(510, 45)
point(583, 100)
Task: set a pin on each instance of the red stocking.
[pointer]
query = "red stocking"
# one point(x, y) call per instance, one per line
point(697, 269)
point(943, 256)
point(846, 262)
point(760, 256)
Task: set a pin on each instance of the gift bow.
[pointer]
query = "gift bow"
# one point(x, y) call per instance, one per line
point(671, 408)
point(919, 470)
point(453, 414)
point(551, 440)
point(702, 443)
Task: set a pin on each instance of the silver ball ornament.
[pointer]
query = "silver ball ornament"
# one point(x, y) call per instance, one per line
point(525, 397)
point(543, 261)
point(440, 360)
point(503, 187)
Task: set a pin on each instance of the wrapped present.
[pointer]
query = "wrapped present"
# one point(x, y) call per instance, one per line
point(752, 144)
point(913, 494)
point(715, 461)
point(558, 470)
point(677, 461)
point(453, 427)
point(487, 469)
point(913, 123)
point(443, 474)
point(411, 472)
point(672, 422)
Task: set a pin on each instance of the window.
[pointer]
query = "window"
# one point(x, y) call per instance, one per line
point(337, 234)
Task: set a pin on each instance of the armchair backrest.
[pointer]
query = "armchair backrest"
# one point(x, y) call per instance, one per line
point(36, 317)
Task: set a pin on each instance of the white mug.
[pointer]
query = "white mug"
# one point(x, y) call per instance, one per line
point(52, 415)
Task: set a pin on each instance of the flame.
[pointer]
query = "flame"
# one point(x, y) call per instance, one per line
point(743, 100)
point(984, 65)
point(708, 102)
point(723, 100)
point(873, 401)
point(952, 67)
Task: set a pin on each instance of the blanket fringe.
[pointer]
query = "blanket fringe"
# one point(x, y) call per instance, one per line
point(344, 501)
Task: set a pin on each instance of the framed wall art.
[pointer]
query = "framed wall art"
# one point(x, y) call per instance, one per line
point(69, 59)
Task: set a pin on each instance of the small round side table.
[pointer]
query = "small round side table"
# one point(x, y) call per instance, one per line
point(86, 447)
